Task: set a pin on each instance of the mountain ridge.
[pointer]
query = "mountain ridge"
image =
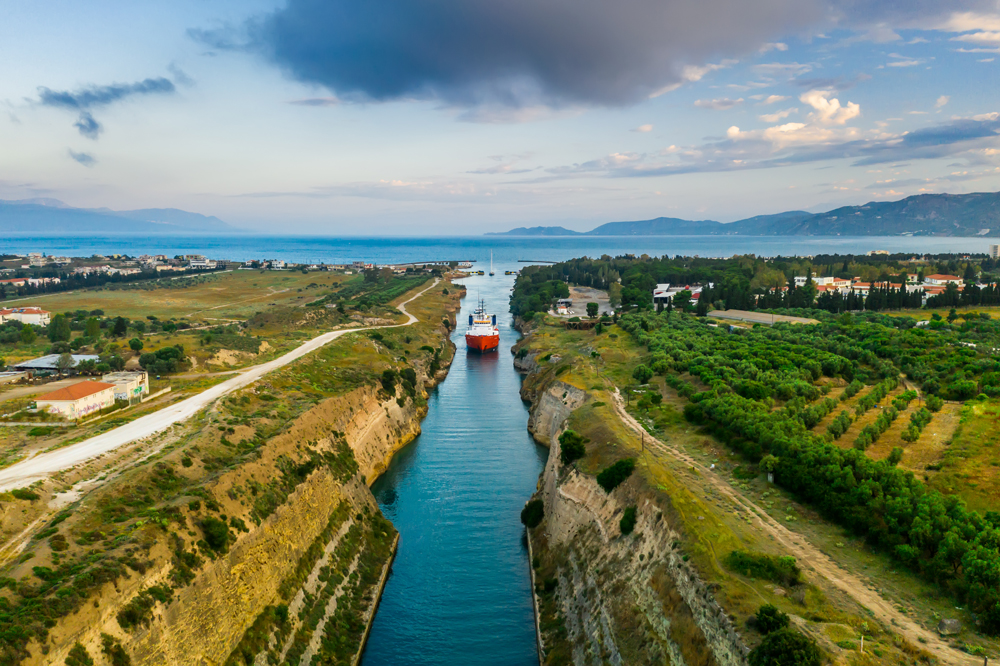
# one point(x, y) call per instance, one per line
point(51, 216)
point(965, 215)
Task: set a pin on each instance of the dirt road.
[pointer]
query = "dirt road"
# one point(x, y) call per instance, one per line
point(42, 465)
point(811, 558)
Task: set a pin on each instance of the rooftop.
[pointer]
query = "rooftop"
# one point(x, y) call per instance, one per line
point(50, 362)
point(76, 391)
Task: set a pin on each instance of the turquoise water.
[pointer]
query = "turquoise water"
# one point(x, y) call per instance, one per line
point(460, 591)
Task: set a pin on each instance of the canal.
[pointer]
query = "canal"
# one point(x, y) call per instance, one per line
point(460, 591)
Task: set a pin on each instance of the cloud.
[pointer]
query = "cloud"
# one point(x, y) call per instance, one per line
point(829, 111)
point(778, 115)
point(97, 96)
point(838, 84)
point(720, 104)
point(316, 101)
point(773, 46)
point(517, 53)
point(556, 54)
point(642, 128)
point(801, 143)
point(86, 159)
point(88, 127)
point(92, 97)
point(941, 101)
point(772, 99)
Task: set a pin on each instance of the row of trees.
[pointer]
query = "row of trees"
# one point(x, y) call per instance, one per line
point(934, 534)
point(749, 283)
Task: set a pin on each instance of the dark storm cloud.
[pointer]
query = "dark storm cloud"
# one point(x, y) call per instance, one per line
point(512, 52)
point(85, 99)
point(520, 53)
point(86, 159)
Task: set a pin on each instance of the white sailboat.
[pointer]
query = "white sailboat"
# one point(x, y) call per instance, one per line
point(491, 263)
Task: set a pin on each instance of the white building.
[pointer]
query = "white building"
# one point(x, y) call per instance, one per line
point(128, 385)
point(78, 400)
point(201, 264)
point(995, 251)
point(29, 315)
point(939, 279)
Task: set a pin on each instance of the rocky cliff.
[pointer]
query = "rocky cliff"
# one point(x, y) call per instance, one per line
point(247, 535)
point(604, 597)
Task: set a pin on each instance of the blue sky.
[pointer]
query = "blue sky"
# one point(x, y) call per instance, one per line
point(463, 116)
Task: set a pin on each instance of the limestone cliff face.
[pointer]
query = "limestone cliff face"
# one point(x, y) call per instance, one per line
point(322, 552)
point(605, 597)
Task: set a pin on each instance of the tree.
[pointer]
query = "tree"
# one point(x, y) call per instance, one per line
point(93, 328)
point(627, 523)
point(615, 295)
point(681, 299)
point(532, 513)
point(593, 309)
point(135, 344)
point(28, 334)
point(571, 447)
point(64, 362)
point(769, 618)
point(611, 477)
point(120, 328)
point(59, 330)
point(642, 374)
point(786, 647)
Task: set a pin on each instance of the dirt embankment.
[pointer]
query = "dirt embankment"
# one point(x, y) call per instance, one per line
point(604, 597)
point(321, 553)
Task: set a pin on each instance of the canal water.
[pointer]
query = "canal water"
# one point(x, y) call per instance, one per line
point(460, 590)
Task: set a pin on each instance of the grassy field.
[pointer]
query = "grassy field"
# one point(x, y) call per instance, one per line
point(713, 526)
point(238, 294)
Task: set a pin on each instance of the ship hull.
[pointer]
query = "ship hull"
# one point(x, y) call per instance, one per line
point(482, 343)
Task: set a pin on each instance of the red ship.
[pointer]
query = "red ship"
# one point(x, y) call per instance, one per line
point(482, 334)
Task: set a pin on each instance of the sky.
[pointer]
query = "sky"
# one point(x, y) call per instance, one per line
point(407, 117)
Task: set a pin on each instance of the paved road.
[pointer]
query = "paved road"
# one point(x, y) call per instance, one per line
point(42, 465)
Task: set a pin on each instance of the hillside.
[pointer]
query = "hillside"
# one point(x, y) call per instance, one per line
point(976, 214)
point(50, 216)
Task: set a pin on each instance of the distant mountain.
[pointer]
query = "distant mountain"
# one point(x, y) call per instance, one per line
point(661, 226)
point(975, 214)
point(536, 231)
point(51, 216)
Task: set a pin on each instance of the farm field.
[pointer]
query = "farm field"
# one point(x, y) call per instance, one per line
point(713, 523)
point(218, 297)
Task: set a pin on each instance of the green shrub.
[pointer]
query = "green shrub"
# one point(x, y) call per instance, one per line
point(611, 477)
point(41, 431)
point(532, 513)
point(24, 494)
point(571, 447)
point(78, 656)
point(769, 618)
point(786, 647)
point(114, 651)
point(627, 523)
point(767, 567)
point(216, 533)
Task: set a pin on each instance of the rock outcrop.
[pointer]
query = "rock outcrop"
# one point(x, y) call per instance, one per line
point(604, 597)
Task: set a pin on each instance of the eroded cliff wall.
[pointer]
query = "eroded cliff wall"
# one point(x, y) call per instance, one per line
point(604, 597)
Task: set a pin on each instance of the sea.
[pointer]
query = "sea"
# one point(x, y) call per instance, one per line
point(507, 249)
